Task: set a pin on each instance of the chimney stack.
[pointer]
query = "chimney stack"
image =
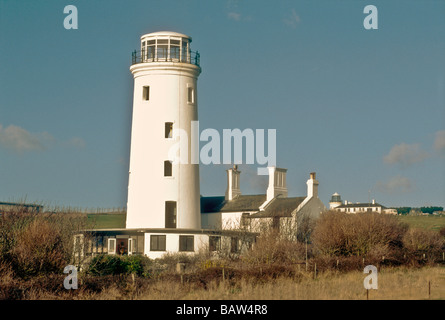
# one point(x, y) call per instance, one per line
point(233, 189)
point(277, 183)
point(312, 186)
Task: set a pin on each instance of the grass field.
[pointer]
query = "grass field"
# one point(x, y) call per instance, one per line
point(117, 220)
point(106, 221)
point(424, 222)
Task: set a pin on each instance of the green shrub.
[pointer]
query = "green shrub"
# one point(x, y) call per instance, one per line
point(113, 265)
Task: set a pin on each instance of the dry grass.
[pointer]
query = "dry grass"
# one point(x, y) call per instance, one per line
point(394, 284)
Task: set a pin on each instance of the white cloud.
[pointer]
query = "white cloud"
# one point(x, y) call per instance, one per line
point(20, 140)
point(405, 154)
point(396, 184)
point(76, 142)
point(234, 16)
point(292, 20)
point(439, 142)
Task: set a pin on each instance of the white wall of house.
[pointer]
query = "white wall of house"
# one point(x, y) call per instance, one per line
point(223, 220)
point(360, 209)
point(260, 224)
point(201, 242)
point(232, 220)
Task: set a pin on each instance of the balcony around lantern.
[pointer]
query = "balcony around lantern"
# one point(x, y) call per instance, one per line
point(165, 55)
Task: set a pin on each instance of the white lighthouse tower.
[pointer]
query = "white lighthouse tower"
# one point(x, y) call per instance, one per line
point(162, 194)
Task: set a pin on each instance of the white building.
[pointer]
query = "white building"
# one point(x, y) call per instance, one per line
point(349, 207)
point(164, 213)
point(235, 211)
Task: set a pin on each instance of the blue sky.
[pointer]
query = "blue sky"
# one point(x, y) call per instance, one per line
point(365, 109)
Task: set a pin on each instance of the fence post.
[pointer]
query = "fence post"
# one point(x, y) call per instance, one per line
point(429, 289)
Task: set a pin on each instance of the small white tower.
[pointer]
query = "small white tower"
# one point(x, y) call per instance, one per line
point(335, 201)
point(162, 194)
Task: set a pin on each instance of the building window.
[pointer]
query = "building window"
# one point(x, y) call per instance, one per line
point(146, 93)
point(151, 44)
point(78, 245)
point(174, 49)
point(234, 245)
point(162, 49)
point(98, 243)
point(130, 246)
point(185, 50)
point(245, 221)
point(168, 168)
point(170, 214)
point(157, 243)
point(214, 243)
point(169, 130)
point(111, 246)
point(186, 243)
point(276, 223)
point(190, 95)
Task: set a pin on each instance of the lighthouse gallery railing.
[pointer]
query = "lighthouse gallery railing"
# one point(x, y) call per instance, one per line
point(163, 55)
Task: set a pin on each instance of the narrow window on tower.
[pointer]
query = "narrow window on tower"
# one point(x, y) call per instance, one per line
point(190, 95)
point(170, 214)
point(146, 93)
point(169, 130)
point(168, 168)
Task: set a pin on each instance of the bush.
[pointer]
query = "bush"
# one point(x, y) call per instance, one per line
point(342, 234)
point(105, 264)
point(37, 243)
point(272, 249)
point(419, 242)
point(442, 232)
point(39, 249)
